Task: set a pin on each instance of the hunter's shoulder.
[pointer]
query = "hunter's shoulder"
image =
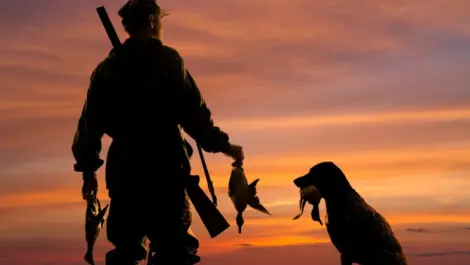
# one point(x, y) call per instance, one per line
point(171, 53)
point(109, 60)
point(105, 66)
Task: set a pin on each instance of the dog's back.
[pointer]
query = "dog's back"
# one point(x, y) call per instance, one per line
point(361, 234)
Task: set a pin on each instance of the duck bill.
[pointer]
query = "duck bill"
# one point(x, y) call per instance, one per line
point(240, 222)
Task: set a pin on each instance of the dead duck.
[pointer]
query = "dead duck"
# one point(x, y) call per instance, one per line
point(243, 194)
point(359, 233)
point(94, 221)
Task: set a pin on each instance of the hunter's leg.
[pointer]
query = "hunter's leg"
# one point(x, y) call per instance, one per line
point(168, 232)
point(191, 242)
point(125, 232)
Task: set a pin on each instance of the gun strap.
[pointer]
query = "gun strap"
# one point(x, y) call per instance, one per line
point(206, 173)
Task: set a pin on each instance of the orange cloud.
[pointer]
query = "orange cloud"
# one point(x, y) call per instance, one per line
point(377, 119)
point(281, 168)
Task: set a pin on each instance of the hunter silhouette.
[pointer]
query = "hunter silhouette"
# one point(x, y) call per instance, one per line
point(142, 96)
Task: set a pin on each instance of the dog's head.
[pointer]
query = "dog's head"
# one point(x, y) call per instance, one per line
point(322, 181)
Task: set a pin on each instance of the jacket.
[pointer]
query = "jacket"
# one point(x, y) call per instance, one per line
point(142, 96)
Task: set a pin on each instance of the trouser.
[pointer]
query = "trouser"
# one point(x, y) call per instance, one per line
point(163, 217)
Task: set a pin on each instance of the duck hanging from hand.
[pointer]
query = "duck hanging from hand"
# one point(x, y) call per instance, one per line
point(243, 194)
point(95, 218)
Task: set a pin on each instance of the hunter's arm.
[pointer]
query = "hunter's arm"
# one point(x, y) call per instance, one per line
point(87, 145)
point(196, 117)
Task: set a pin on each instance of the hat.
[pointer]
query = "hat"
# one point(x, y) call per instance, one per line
point(136, 8)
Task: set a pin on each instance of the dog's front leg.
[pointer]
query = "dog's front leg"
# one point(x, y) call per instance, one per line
point(346, 260)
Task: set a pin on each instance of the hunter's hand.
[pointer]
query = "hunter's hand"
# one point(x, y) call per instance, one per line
point(90, 185)
point(235, 152)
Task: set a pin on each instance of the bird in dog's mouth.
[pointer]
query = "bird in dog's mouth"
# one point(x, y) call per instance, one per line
point(313, 196)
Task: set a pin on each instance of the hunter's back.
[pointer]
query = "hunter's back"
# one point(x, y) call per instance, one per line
point(141, 111)
point(139, 98)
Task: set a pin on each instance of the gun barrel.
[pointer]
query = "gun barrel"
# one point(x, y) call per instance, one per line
point(108, 26)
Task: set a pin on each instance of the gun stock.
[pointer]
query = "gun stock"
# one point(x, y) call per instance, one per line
point(211, 217)
point(213, 220)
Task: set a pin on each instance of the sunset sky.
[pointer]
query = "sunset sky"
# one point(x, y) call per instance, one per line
point(379, 87)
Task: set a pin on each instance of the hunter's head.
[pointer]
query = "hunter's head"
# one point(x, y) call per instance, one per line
point(142, 18)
